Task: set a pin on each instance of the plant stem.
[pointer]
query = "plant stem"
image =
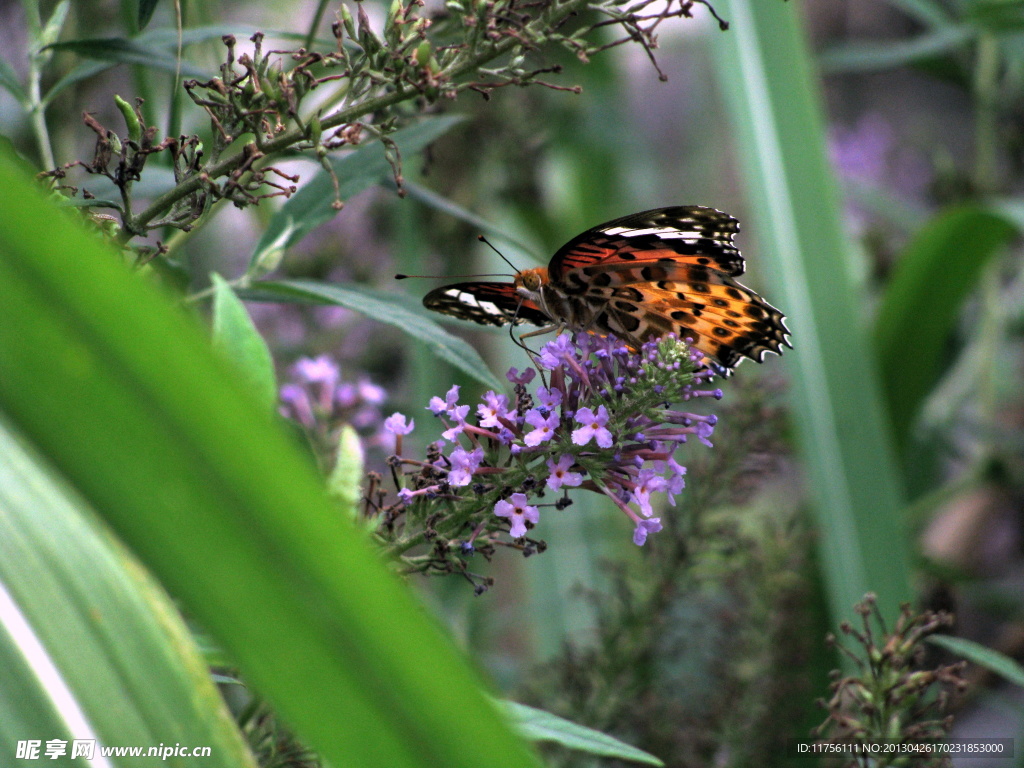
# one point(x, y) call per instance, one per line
point(317, 17)
point(37, 111)
point(985, 178)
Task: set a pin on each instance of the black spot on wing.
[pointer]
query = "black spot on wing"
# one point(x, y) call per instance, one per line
point(485, 303)
point(691, 230)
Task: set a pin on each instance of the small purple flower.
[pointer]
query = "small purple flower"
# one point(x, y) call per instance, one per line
point(648, 482)
point(371, 393)
point(464, 464)
point(555, 352)
point(493, 409)
point(518, 512)
point(459, 413)
point(295, 404)
point(560, 475)
point(408, 495)
point(675, 481)
point(396, 424)
point(516, 377)
point(593, 427)
point(704, 430)
point(318, 370)
point(543, 427)
point(549, 399)
point(645, 527)
point(438, 406)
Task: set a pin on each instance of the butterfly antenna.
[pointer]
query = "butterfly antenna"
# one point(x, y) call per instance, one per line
point(490, 245)
point(401, 276)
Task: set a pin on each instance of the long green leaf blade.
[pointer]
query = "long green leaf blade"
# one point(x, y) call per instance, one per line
point(385, 308)
point(90, 647)
point(935, 274)
point(127, 400)
point(538, 725)
point(983, 656)
point(837, 401)
point(236, 336)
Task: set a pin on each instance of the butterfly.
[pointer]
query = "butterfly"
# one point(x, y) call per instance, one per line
point(639, 277)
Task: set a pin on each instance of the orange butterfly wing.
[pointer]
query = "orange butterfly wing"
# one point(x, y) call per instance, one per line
point(671, 270)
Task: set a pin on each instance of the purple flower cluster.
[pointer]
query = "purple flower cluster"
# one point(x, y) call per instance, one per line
point(602, 421)
point(317, 398)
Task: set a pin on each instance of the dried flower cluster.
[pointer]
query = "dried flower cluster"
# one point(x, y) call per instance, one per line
point(892, 699)
point(376, 81)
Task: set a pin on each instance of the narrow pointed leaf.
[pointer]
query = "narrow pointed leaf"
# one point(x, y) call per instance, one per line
point(11, 83)
point(938, 270)
point(146, 8)
point(846, 444)
point(91, 646)
point(983, 656)
point(873, 56)
point(538, 725)
point(121, 50)
point(385, 308)
point(236, 336)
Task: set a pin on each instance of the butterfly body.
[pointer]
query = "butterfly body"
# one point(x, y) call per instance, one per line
point(667, 270)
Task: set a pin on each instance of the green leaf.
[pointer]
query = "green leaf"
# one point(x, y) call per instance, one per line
point(982, 656)
point(312, 205)
point(11, 83)
point(89, 645)
point(54, 25)
point(347, 476)
point(538, 725)
point(446, 206)
point(167, 37)
point(146, 8)
point(123, 51)
point(166, 40)
point(83, 71)
point(837, 399)
point(928, 12)
point(1001, 17)
point(922, 300)
point(236, 336)
point(385, 308)
point(873, 56)
point(122, 394)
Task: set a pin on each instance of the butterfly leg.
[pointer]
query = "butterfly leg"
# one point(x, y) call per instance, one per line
point(554, 327)
point(546, 329)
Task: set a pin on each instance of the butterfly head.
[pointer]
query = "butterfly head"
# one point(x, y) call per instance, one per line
point(528, 282)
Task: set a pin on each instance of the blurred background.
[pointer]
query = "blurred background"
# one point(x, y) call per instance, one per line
point(899, 271)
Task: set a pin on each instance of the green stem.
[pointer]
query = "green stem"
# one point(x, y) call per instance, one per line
point(985, 177)
point(317, 17)
point(986, 94)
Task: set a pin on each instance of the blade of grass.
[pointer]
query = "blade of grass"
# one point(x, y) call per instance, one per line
point(235, 334)
point(385, 308)
point(936, 272)
point(92, 647)
point(845, 440)
point(538, 725)
point(124, 396)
